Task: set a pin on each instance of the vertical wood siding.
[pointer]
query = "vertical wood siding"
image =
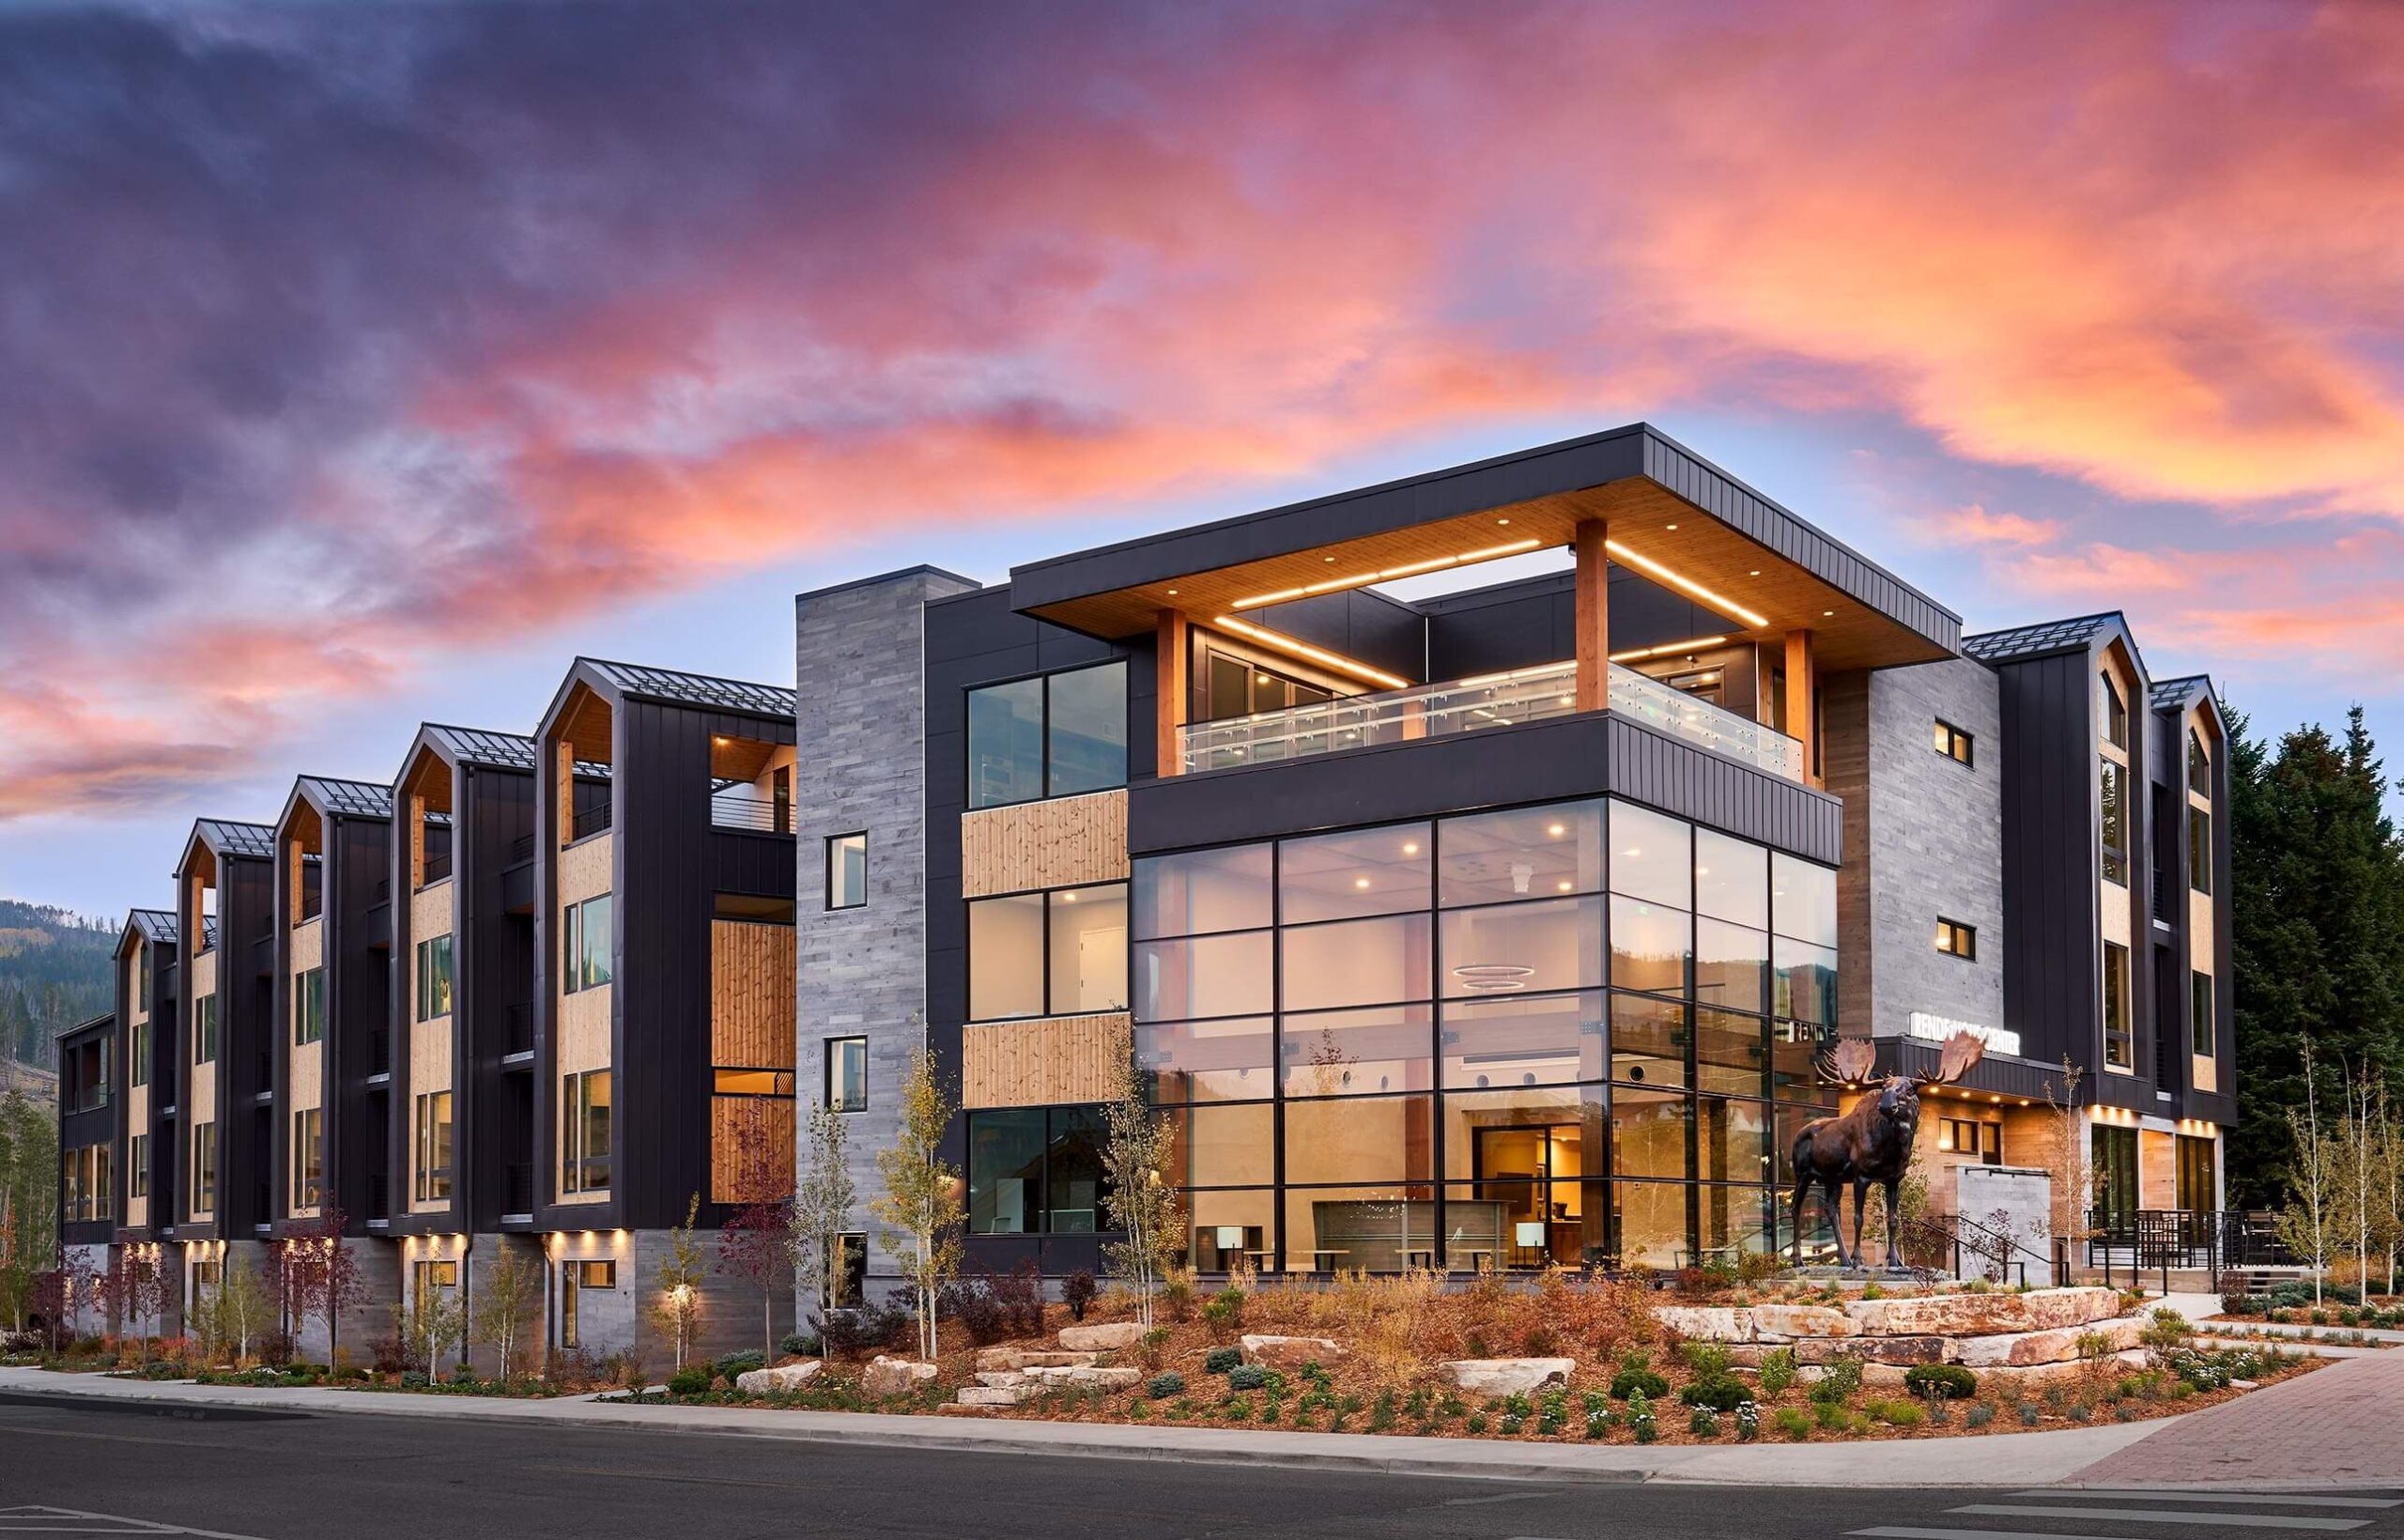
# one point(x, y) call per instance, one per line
point(1060, 843)
point(1057, 1060)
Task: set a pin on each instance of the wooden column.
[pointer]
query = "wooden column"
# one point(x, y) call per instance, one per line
point(1173, 656)
point(1802, 700)
point(1594, 616)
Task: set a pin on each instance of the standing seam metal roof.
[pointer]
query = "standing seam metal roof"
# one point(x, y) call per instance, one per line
point(358, 798)
point(696, 690)
point(158, 926)
point(2045, 637)
point(238, 839)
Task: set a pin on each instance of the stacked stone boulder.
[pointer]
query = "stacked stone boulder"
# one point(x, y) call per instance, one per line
point(2029, 1335)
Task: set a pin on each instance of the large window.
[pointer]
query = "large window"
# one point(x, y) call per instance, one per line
point(309, 1007)
point(2119, 1045)
point(847, 1074)
point(2199, 766)
point(586, 941)
point(432, 1173)
point(2204, 1040)
point(1057, 735)
point(137, 1165)
point(308, 1161)
point(2200, 850)
point(2112, 1164)
point(204, 1168)
point(584, 1124)
point(846, 870)
point(2112, 797)
point(87, 1186)
point(1519, 1038)
point(2114, 722)
point(137, 1061)
point(579, 1276)
point(204, 1036)
point(433, 977)
point(1061, 953)
point(1035, 1170)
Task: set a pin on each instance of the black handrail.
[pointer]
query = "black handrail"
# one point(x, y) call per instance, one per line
point(589, 821)
point(751, 813)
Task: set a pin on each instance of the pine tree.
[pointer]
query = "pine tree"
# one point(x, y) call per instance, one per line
point(2319, 919)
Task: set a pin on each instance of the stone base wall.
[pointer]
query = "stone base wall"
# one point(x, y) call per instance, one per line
point(2024, 1334)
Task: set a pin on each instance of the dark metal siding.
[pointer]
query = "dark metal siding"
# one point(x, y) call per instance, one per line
point(2053, 956)
point(1538, 762)
point(246, 1018)
point(97, 1126)
point(495, 963)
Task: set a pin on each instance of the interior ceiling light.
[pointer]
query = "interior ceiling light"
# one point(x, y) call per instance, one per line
point(1667, 648)
point(1408, 569)
point(1317, 655)
point(1715, 599)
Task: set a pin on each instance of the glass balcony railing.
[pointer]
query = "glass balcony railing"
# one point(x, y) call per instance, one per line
point(1433, 711)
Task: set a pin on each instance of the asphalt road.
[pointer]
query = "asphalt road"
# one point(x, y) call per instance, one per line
point(266, 1477)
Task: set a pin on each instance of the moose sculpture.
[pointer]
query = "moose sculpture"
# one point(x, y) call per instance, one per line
point(1871, 1142)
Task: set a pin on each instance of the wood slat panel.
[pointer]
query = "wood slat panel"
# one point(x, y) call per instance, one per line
point(1053, 1062)
point(751, 994)
point(750, 1148)
point(1059, 843)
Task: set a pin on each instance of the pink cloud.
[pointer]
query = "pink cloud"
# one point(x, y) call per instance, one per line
point(652, 324)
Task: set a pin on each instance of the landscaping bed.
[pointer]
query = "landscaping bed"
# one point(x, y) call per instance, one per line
point(1570, 1359)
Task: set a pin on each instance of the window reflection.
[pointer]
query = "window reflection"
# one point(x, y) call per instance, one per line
point(1652, 856)
point(1202, 891)
point(1514, 1040)
point(1356, 962)
point(1516, 947)
point(1524, 853)
point(1650, 945)
point(1342, 876)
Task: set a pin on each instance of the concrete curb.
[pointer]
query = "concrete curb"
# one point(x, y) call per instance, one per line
point(2004, 1459)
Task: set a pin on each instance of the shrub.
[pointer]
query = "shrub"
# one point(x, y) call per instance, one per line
point(2166, 1333)
point(1151, 1348)
point(1979, 1415)
point(798, 1344)
point(1897, 1412)
point(1640, 1417)
point(1177, 1295)
point(1224, 1313)
point(1831, 1415)
point(857, 1328)
point(1778, 1371)
point(1223, 1360)
point(1706, 1359)
point(1704, 1422)
point(2028, 1414)
point(1948, 1380)
point(2079, 1412)
point(1636, 1375)
point(1077, 1291)
point(1791, 1422)
point(1476, 1423)
point(731, 1364)
point(1247, 1377)
point(991, 1307)
point(688, 1381)
point(1598, 1423)
point(413, 1380)
point(1838, 1382)
point(1748, 1420)
point(1724, 1394)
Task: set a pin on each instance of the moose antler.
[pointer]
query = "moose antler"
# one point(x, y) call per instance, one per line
point(1961, 1051)
point(1850, 1062)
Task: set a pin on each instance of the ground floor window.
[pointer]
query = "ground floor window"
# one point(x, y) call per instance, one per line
point(429, 1273)
point(308, 1156)
point(2113, 1157)
point(577, 1277)
point(2198, 1184)
point(1035, 1170)
point(1973, 1138)
point(432, 1167)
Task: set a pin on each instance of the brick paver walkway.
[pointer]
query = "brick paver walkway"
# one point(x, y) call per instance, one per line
point(2339, 1426)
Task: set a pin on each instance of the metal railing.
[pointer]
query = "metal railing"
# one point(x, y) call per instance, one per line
point(521, 848)
point(2161, 1240)
point(1432, 711)
point(591, 820)
point(437, 867)
point(751, 812)
point(518, 1035)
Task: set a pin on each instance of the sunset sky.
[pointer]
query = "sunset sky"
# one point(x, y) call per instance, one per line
point(360, 365)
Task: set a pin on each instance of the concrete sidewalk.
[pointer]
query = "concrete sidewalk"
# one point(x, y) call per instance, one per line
point(2005, 1459)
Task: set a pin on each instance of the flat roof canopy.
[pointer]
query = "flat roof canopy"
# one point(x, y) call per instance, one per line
point(1673, 516)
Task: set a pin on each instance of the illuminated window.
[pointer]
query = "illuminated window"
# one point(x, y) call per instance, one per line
point(2119, 1046)
point(309, 1007)
point(433, 1165)
point(847, 1074)
point(846, 870)
point(1956, 939)
point(433, 977)
point(584, 1106)
point(308, 1157)
point(1954, 742)
point(1980, 1140)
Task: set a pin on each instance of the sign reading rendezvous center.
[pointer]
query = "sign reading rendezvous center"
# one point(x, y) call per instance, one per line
point(1930, 1027)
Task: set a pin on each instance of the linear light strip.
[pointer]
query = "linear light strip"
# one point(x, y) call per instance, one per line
point(1669, 648)
point(1337, 661)
point(1408, 569)
point(1717, 601)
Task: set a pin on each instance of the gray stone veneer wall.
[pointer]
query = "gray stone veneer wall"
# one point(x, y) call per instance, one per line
point(859, 655)
point(1923, 839)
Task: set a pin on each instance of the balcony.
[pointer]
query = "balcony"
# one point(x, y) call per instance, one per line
point(756, 814)
point(1431, 711)
point(589, 821)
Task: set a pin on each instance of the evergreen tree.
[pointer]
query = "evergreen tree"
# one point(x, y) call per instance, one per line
point(2319, 912)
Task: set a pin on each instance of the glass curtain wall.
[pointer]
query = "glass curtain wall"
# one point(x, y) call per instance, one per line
point(1561, 1034)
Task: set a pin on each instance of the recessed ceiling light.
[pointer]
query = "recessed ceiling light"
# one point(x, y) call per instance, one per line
point(1410, 848)
point(1830, 613)
point(1565, 885)
point(1669, 526)
point(1360, 881)
point(1327, 558)
point(1172, 593)
point(1557, 830)
point(1501, 521)
point(1757, 571)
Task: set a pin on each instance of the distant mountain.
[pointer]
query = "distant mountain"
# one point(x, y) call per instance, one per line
point(55, 971)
